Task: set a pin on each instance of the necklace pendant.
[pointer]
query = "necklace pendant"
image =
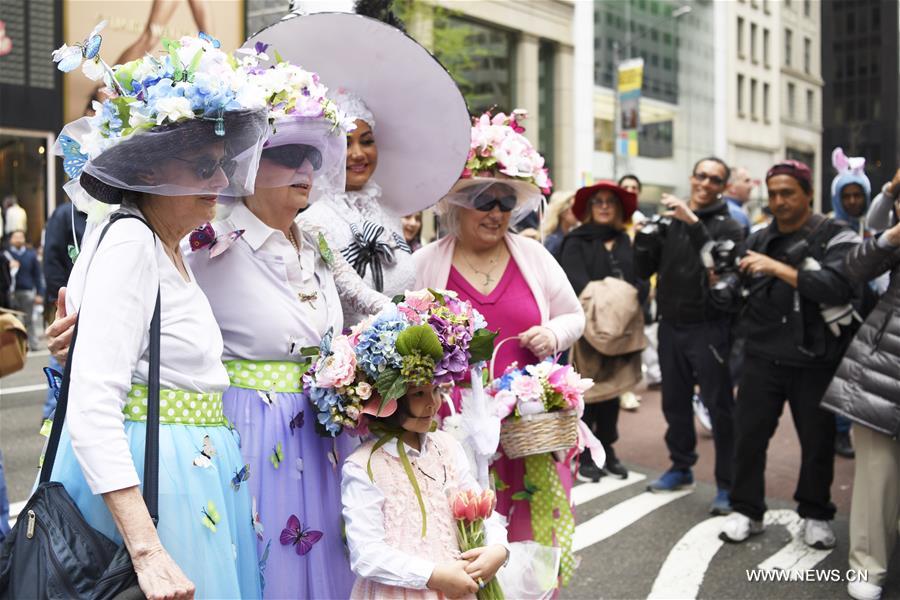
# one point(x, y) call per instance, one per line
point(310, 297)
point(488, 280)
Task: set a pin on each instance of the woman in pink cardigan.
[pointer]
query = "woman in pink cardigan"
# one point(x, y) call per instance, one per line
point(514, 282)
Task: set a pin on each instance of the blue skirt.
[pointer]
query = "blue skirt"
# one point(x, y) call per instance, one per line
point(215, 548)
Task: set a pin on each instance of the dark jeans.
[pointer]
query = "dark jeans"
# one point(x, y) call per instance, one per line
point(690, 355)
point(765, 386)
point(603, 420)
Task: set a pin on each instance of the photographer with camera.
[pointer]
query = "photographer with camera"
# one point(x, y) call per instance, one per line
point(694, 337)
point(795, 311)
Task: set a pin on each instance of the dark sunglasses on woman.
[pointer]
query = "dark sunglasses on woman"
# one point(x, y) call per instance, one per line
point(487, 203)
point(205, 167)
point(293, 155)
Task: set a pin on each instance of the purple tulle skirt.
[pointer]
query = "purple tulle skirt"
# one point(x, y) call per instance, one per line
point(295, 483)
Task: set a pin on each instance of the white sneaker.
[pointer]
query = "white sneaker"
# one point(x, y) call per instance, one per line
point(818, 534)
point(701, 413)
point(737, 528)
point(863, 590)
point(628, 401)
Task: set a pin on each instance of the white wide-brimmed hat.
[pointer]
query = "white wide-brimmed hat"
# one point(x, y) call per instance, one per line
point(423, 132)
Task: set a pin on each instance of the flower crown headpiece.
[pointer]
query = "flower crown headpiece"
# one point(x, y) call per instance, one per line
point(288, 90)
point(192, 79)
point(423, 337)
point(498, 146)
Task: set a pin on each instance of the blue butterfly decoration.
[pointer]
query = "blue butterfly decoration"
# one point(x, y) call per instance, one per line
point(73, 158)
point(69, 58)
point(205, 36)
point(325, 344)
point(54, 380)
point(240, 477)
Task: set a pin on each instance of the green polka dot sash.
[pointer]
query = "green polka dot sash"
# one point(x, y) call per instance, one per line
point(265, 375)
point(177, 407)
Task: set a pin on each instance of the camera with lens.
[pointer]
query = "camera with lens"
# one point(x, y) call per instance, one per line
point(724, 257)
point(657, 225)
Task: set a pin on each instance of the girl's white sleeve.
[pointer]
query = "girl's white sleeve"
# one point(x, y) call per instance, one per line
point(371, 557)
point(113, 332)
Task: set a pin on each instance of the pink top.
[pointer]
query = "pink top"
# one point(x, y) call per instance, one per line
point(509, 309)
point(558, 306)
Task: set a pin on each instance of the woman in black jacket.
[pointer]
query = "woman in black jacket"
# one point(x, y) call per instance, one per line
point(866, 390)
point(601, 248)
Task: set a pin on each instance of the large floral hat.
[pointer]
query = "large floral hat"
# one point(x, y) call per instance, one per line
point(187, 121)
point(424, 337)
point(307, 140)
point(501, 156)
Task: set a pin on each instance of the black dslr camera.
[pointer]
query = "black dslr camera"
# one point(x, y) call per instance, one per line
point(657, 225)
point(723, 257)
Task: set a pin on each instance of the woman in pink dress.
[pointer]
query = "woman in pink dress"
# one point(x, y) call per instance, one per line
point(522, 292)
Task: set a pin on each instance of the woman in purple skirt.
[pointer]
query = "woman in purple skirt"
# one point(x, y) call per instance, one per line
point(275, 289)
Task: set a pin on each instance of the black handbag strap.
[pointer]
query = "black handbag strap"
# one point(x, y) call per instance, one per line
point(151, 448)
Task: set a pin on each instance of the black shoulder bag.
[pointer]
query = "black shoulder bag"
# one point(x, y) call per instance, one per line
point(52, 552)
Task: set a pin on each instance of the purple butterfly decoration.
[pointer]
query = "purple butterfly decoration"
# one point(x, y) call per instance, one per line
point(205, 237)
point(297, 422)
point(294, 534)
point(261, 48)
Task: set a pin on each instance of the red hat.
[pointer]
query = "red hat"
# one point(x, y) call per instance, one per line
point(796, 169)
point(626, 198)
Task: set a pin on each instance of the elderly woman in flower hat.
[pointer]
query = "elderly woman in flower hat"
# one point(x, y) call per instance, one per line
point(180, 129)
point(275, 287)
point(494, 269)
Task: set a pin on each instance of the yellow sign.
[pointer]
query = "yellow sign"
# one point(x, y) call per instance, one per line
point(631, 74)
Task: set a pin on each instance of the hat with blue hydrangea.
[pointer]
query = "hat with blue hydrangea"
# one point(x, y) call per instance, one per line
point(184, 122)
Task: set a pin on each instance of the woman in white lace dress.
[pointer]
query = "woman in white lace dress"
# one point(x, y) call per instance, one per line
point(357, 223)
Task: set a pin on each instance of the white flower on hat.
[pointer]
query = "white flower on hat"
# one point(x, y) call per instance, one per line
point(93, 70)
point(173, 108)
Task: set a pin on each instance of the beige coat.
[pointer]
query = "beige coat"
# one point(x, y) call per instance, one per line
point(610, 350)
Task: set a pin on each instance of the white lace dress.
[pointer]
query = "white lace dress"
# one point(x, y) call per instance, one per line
point(356, 225)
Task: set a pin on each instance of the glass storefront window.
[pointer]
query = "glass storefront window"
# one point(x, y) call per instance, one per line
point(24, 174)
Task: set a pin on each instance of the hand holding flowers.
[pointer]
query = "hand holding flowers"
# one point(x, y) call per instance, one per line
point(470, 509)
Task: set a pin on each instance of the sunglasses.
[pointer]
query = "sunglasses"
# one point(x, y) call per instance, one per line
point(714, 179)
point(293, 155)
point(205, 167)
point(486, 203)
point(603, 202)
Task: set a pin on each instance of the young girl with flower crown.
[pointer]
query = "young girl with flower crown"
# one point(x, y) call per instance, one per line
point(398, 487)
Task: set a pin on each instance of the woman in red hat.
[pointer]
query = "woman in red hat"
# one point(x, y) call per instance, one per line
point(601, 248)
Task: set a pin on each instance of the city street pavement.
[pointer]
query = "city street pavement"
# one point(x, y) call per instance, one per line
point(631, 544)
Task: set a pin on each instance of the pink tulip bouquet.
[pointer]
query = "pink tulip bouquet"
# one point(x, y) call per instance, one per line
point(470, 509)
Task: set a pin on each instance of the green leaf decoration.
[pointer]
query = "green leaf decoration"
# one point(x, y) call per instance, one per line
point(481, 347)
point(325, 250)
point(390, 385)
point(528, 493)
point(195, 62)
point(278, 57)
point(437, 296)
point(398, 298)
point(499, 484)
point(309, 351)
point(422, 339)
point(73, 253)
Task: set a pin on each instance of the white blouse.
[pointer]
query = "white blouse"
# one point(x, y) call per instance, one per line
point(373, 558)
point(114, 292)
point(271, 301)
point(335, 214)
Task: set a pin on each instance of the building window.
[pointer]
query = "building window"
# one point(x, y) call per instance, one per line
point(788, 43)
point(603, 135)
point(807, 55)
point(807, 8)
point(791, 101)
point(765, 102)
point(740, 95)
point(810, 106)
point(753, 43)
point(766, 6)
point(740, 37)
point(655, 140)
point(485, 78)
point(766, 48)
point(753, 99)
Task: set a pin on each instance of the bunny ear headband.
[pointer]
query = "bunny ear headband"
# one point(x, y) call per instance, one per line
point(848, 164)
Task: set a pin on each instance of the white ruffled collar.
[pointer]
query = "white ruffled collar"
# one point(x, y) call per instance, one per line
point(365, 200)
